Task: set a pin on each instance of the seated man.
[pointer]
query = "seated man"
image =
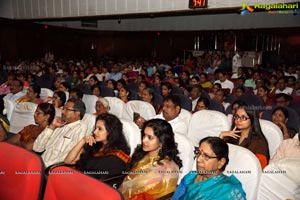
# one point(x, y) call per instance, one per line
point(170, 111)
point(63, 133)
point(16, 91)
point(288, 148)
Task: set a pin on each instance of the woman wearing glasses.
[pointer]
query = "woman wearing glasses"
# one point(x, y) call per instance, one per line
point(246, 132)
point(209, 182)
point(43, 116)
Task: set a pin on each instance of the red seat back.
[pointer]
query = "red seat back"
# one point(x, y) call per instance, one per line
point(21, 173)
point(67, 183)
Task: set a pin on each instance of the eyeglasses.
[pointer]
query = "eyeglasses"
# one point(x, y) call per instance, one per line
point(69, 109)
point(242, 118)
point(203, 155)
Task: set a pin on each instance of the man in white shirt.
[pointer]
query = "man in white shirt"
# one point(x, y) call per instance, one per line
point(288, 148)
point(282, 88)
point(225, 83)
point(236, 61)
point(63, 133)
point(170, 112)
point(16, 91)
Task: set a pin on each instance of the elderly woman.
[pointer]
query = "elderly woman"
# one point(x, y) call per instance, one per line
point(209, 182)
point(246, 132)
point(102, 106)
point(154, 164)
point(148, 96)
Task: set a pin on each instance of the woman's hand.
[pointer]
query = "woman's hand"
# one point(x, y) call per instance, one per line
point(284, 129)
point(140, 122)
point(47, 99)
point(89, 140)
point(234, 134)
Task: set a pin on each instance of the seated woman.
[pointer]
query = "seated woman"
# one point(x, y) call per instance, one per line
point(148, 96)
point(209, 182)
point(96, 90)
point(166, 89)
point(280, 116)
point(43, 116)
point(142, 86)
point(263, 92)
point(124, 94)
point(104, 155)
point(58, 100)
point(154, 164)
point(32, 95)
point(202, 104)
point(93, 81)
point(246, 132)
point(102, 106)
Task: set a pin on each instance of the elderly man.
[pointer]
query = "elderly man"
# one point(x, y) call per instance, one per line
point(170, 111)
point(63, 133)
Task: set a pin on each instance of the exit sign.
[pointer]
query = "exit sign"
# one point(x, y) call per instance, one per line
point(197, 3)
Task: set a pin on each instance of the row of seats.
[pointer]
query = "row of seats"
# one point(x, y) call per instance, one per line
point(22, 172)
point(199, 124)
point(22, 178)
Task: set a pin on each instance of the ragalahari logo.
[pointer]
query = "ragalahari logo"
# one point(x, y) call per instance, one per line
point(246, 8)
point(281, 8)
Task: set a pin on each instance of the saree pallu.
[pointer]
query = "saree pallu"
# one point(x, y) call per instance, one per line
point(218, 187)
point(148, 176)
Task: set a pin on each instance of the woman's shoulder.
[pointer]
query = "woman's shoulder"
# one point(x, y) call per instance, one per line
point(169, 164)
point(28, 128)
point(114, 155)
point(235, 187)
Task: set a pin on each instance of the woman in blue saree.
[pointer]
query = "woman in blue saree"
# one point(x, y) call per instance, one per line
point(209, 182)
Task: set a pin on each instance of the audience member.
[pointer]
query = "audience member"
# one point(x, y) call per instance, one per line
point(76, 93)
point(202, 104)
point(63, 133)
point(32, 95)
point(43, 117)
point(280, 116)
point(96, 90)
point(281, 87)
point(195, 95)
point(247, 133)
point(16, 91)
point(220, 96)
point(166, 89)
point(102, 106)
point(209, 182)
point(155, 164)
point(171, 109)
point(263, 92)
point(105, 151)
point(288, 148)
point(225, 83)
point(124, 94)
